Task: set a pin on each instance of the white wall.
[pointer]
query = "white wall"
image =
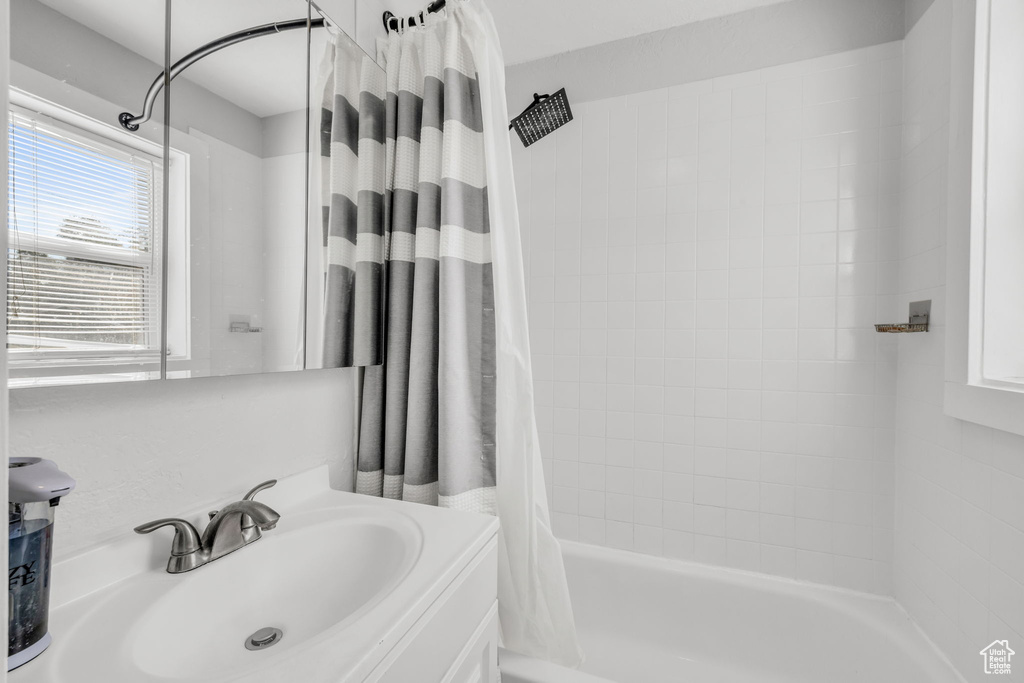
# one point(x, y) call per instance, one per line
point(764, 36)
point(913, 11)
point(705, 263)
point(959, 562)
point(284, 243)
point(234, 234)
point(144, 450)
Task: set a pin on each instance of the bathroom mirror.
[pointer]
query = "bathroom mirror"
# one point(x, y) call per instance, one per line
point(251, 287)
point(250, 262)
point(237, 153)
point(83, 269)
point(345, 273)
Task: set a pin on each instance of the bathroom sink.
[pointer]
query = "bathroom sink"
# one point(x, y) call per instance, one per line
point(341, 576)
point(302, 582)
point(308, 576)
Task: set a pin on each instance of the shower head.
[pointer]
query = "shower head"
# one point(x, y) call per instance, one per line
point(547, 114)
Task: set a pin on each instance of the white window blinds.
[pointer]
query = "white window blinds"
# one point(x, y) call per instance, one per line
point(83, 258)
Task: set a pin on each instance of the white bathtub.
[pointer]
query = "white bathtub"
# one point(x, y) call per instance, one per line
point(649, 620)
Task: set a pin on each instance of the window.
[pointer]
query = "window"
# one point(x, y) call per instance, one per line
point(984, 373)
point(1000, 242)
point(83, 276)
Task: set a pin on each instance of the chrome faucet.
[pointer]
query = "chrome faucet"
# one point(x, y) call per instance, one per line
point(234, 526)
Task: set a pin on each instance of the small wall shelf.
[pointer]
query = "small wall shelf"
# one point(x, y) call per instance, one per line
point(920, 311)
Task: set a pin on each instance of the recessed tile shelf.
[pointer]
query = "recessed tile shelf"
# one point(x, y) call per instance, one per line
point(919, 313)
point(893, 328)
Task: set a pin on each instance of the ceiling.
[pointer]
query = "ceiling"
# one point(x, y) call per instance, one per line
point(267, 76)
point(533, 29)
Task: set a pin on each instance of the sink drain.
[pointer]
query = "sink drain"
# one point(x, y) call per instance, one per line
point(263, 638)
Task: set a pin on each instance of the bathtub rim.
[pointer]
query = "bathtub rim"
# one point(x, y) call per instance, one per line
point(532, 669)
point(847, 601)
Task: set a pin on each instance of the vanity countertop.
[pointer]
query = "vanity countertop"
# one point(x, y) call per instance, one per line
point(344, 576)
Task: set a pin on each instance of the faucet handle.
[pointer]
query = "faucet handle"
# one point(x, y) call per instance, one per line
point(259, 487)
point(186, 538)
point(251, 532)
point(249, 496)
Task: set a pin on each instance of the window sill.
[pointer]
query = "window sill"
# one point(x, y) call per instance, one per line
point(31, 373)
point(1000, 408)
point(69, 380)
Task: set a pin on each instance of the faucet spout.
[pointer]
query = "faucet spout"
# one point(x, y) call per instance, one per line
point(264, 516)
point(225, 532)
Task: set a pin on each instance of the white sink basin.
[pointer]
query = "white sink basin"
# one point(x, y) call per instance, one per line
point(303, 581)
point(342, 576)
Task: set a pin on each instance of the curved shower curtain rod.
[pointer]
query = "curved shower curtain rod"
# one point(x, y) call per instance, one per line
point(131, 122)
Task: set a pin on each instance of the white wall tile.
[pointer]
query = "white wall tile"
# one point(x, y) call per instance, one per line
point(706, 262)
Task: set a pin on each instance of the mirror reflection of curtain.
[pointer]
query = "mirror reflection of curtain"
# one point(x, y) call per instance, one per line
point(352, 152)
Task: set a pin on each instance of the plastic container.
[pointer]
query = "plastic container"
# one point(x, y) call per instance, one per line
point(36, 487)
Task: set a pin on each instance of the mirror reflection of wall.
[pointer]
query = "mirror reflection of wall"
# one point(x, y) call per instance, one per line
point(84, 221)
point(239, 275)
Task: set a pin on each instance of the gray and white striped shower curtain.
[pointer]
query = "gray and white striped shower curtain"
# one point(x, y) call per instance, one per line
point(352, 121)
point(428, 413)
point(448, 418)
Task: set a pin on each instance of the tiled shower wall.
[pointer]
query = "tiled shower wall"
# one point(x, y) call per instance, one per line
point(705, 263)
point(959, 563)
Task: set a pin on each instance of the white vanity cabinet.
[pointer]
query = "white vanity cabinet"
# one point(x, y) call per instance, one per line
point(456, 639)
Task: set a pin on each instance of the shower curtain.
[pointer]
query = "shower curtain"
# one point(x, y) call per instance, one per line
point(448, 418)
point(351, 173)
